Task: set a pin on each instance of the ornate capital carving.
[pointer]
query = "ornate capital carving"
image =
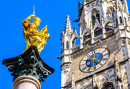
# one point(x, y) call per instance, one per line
point(28, 63)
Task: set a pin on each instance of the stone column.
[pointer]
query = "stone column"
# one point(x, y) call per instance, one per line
point(26, 82)
point(28, 69)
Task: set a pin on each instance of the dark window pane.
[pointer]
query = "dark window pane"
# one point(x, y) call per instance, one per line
point(67, 45)
point(121, 20)
point(87, 36)
point(109, 26)
point(97, 32)
point(98, 17)
point(93, 20)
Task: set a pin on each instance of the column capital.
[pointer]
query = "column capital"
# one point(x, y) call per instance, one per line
point(28, 63)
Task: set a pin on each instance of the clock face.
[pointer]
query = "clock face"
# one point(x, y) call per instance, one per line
point(94, 60)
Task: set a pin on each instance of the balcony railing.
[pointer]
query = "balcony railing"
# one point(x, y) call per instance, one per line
point(98, 38)
point(76, 48)
point(87, 42)
point(109, 33)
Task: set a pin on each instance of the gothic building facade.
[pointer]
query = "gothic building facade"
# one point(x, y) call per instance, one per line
point(98, 56)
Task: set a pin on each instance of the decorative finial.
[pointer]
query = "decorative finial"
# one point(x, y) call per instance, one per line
point(67, 17)
point(33, 9)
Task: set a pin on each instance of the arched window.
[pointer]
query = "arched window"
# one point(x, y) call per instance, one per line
point(109, 29)
point(108, 85)
point(121, 20)
point(75, 42)
point(109, 12)
point(95, 15)
point(97, 32)
point(98, 17)
point(109, 26)
point(67, 44)
point(93, 20)
point(86, 36)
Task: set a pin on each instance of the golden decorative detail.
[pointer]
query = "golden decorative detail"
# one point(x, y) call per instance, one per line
point(32, 35)
point(94, 59)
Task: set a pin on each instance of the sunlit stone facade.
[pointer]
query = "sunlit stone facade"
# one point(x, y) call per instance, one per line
point(103, 25)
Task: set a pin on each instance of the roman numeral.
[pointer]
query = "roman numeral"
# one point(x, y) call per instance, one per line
point(104, 51)
point(100, 64)
point(88, 55)
point(85, 58)
point(106, 54)
point(82, 65)
point(84, 68)
point(88, 69)
point(93, 52)
point(99, 50)
point(104, 59)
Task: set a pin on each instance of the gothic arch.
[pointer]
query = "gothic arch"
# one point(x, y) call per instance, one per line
point(95, 14)
point(85, 31)
point(67, 45)
point(121, 21)
point(86, 36)
point(110, 12)
point(97, 31)
point(109, 26)
point(75, 41)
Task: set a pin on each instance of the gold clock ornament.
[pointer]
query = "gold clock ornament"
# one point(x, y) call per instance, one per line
point(94, 60)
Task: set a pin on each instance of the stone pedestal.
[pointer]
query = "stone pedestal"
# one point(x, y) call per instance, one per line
point(26, 82)
point(28, 69)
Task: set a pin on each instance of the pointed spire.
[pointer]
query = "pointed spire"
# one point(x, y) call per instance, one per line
point(125, 2)
point(67, 17)
point(68, 24)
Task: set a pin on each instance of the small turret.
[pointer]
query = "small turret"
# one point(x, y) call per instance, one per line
point(65, 50)
point(68, 25)
point(126, 6)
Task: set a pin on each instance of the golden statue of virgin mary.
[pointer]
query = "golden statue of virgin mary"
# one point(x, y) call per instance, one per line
point(32, 35)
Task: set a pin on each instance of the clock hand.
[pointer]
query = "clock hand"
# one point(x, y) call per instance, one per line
point(94, 55)
point(93, 65)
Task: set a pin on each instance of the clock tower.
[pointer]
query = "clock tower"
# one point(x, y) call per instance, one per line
point(99, 56)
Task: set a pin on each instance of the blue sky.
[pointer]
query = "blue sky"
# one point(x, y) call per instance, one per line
point(52, 13)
